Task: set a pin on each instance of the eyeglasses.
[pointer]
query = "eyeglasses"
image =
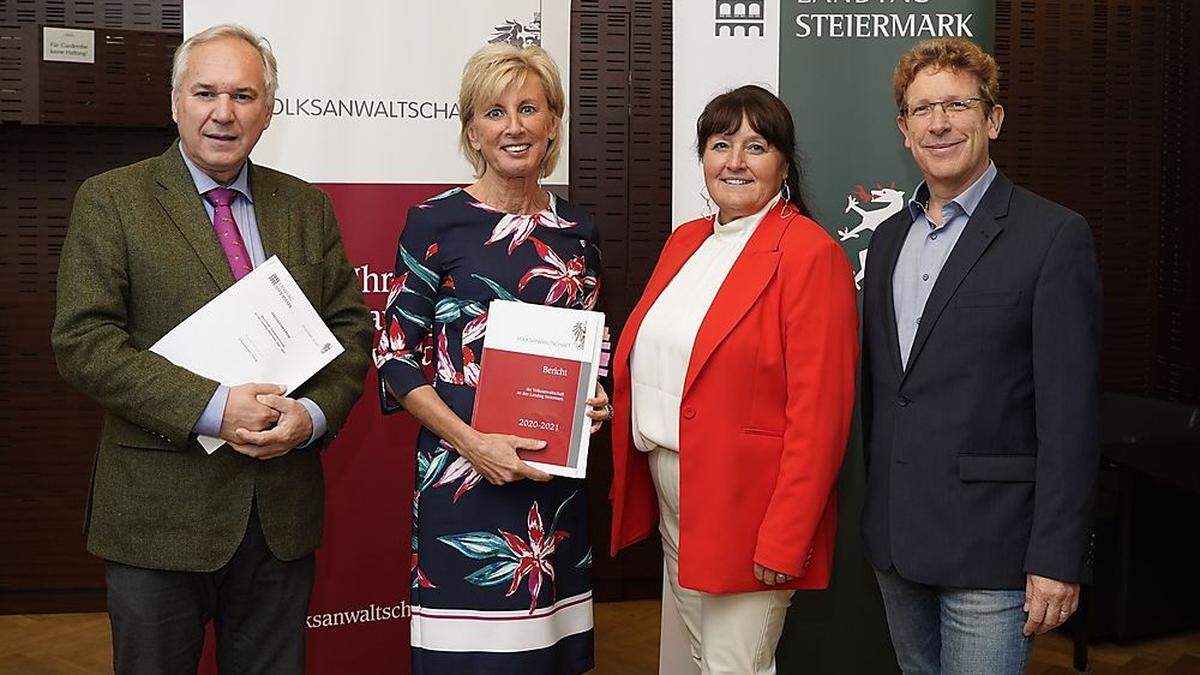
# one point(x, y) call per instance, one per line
point(951, 108)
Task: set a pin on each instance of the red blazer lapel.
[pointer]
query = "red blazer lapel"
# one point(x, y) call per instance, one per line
point(747, 279)
point(680, 247)
point(635, 510)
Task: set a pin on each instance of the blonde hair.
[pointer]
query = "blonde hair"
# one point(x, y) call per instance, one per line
point(488, 73)
point(219, 32)
point(958, 55)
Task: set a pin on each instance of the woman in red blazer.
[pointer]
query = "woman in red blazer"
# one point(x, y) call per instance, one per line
point(734, 384)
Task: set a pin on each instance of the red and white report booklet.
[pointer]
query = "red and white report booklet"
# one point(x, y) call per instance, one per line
point(538, 369)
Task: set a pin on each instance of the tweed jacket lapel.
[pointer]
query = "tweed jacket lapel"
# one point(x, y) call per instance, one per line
point(271, 211)
point(178, 198)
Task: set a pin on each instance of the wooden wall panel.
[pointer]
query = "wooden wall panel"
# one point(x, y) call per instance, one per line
point(16, 87)
point(1177, 357)
point(125, 87)
point(48, 444)
point(1097, 95)
point(621, 173)
point(165, 16)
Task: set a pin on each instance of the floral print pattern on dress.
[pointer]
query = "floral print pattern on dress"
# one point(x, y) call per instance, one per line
point(520, 559)
point(570, 278)
point(520, 226)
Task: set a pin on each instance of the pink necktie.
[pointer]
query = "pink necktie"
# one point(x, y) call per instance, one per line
point(227, 231)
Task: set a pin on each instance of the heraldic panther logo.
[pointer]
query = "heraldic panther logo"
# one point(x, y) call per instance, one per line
point(519, 34)
point(888, 201)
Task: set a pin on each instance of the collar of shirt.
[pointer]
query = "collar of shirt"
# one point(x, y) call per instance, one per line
point(204, 182)
point(742, 227)
point(966, 201)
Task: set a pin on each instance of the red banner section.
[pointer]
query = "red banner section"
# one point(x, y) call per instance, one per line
point(358, 618)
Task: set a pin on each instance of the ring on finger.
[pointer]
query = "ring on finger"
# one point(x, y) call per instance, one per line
point(608, 410)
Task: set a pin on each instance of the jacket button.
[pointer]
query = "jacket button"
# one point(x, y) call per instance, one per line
point(903, 401)
point(689, 412)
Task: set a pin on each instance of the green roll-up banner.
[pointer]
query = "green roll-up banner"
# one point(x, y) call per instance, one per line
point(835, 74)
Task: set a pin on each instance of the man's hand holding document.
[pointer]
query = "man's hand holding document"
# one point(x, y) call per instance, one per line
point(261, 329)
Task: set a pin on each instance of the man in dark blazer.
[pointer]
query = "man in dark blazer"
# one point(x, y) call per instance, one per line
point(187, 536)
point(981, 319)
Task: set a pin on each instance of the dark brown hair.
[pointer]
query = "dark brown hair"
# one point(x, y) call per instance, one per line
point(769, 118)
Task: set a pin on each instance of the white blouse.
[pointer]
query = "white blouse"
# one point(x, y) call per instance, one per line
point(659, 361)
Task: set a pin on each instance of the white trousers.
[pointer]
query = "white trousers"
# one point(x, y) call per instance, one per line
point(733, 633)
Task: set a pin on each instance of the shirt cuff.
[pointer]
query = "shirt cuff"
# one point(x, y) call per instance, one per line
point(209, 423)
point(320, 426)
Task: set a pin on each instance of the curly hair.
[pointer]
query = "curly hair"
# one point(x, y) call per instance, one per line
point(955, 54)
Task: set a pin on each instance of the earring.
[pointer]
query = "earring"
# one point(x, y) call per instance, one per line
point(787, 201)
point(708, 213)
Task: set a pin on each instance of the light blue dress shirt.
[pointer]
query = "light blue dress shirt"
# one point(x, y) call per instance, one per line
point(925, 251)
point(209, 423)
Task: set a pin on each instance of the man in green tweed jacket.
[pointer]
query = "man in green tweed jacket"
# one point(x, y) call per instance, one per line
point(189, 537)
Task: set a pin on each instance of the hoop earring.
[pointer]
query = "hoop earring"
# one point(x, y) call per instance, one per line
point(708, 213)
point(787, 201)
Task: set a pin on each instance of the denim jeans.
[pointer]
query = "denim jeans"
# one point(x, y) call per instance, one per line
point(955, 631)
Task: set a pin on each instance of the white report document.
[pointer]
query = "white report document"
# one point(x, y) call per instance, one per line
point(261, 329)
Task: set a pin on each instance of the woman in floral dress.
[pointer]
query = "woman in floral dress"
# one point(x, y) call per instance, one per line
point(501, 559)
